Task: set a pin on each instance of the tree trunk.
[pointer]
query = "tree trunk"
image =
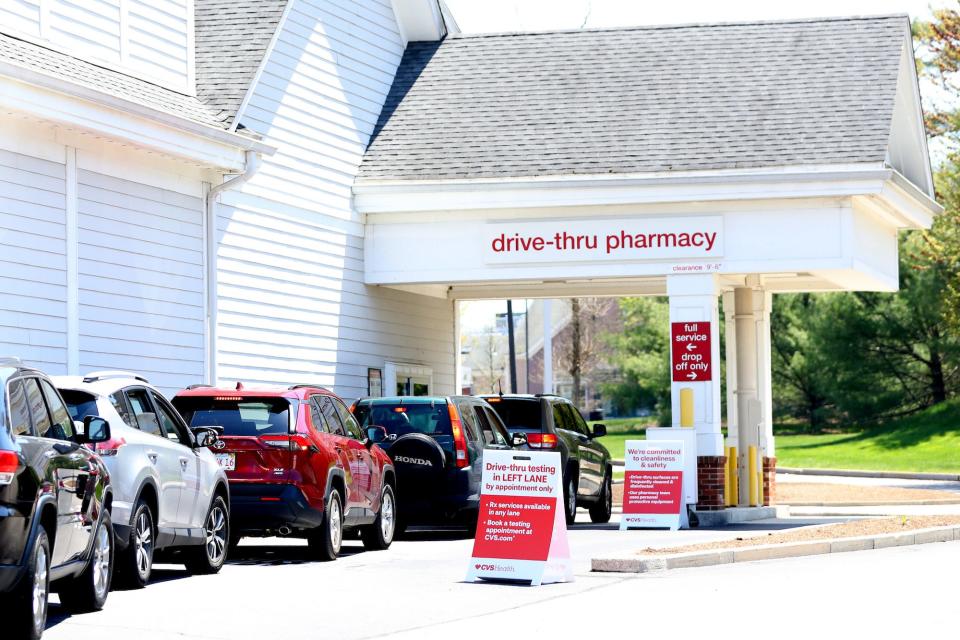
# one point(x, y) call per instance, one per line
point(575, 350)
point(938, 386)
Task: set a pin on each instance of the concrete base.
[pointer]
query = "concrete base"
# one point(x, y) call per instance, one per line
point(733, 515)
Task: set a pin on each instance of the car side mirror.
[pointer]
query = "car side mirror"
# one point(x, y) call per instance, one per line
point(205, 436)
point(599, 430)
point(95, 429)
point(376, 435)
point(518, 439)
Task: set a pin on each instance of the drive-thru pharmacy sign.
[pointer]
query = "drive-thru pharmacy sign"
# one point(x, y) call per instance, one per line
point(690, 351)
point(652, 484)
point(521, 531)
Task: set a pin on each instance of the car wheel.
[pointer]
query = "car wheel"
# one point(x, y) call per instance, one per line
point(325, 540)
point(89, 590)
point(28, 614)
point(209, 557)
point(600, 512)
point(135, 562)
point(570, 500)
point(379, 535)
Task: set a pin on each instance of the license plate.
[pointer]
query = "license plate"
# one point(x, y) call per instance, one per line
point(228, 461)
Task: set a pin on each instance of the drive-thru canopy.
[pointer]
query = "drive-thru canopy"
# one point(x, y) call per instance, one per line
point(698, 161)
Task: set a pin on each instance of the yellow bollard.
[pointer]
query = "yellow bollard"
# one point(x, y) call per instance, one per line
point(734, 477)
point(727, 479)
point(686, 407)
point(752, 473)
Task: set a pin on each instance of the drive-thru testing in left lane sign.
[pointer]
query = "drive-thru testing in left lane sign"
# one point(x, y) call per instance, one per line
point(521, 531)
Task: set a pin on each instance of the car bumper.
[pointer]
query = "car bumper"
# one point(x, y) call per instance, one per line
point(259, 508)
point(10, 575)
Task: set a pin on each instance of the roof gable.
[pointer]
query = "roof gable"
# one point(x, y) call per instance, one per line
point(232, 40)
point(637, 100)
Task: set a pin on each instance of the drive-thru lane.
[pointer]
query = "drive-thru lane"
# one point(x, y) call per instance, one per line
point(270, 590)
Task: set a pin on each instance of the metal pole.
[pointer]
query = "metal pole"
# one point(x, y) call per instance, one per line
point(526, 342)
point(548, 346)
point(513, 348)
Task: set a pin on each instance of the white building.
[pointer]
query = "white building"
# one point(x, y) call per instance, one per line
point(383, 172)
point(117, 117)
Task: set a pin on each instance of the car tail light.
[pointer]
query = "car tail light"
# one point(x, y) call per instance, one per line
point(459, 441)
point(542, 440)
point(110, 447)
point(286, 442)
point(9, 463)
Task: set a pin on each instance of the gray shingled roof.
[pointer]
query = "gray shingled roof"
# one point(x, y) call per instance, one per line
point(642, 99)
point(65, 67)
point(232, 37)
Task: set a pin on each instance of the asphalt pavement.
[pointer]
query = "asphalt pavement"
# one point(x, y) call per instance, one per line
point(270, 589)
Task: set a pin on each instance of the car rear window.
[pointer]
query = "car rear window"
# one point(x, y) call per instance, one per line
point(399, 419)
point(237, 416)
point(518, 414)
point(80, 404)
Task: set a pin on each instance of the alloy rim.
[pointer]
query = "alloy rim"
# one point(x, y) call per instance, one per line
point(101, 562)
point(386, 516)
point(609, 494)
point(216, 532)
point(143, 539)
point(336, 521)
point(40, 586)
point(571, 499)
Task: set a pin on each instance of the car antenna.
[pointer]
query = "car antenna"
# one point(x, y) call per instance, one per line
point(500, 384)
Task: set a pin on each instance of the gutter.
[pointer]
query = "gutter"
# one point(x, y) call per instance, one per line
point(45, 81)
point(251, 166)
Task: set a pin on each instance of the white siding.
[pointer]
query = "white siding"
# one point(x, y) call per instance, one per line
point(33, 281)
point(292, 303)
point(141, 280)
point(147, 38)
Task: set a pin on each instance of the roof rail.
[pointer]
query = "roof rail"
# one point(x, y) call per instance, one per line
point(547, 395)
point(199, 386)
point(308, 386)
point(94, 376)
point(14, 360)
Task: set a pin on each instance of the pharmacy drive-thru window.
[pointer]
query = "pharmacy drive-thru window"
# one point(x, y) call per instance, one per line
point(753, 159)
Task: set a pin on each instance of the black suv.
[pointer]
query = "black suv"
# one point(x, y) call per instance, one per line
point(54, 504)
point(436, 444)
point(553, 423)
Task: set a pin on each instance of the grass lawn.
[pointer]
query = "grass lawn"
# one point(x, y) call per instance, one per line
point(928, 441)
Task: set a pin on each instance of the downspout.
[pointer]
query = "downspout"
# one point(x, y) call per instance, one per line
point(251, 166)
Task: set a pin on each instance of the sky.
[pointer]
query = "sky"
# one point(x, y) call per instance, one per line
point(491, 16)
point(479, 16)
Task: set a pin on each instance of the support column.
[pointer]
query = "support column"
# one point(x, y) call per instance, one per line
point(548, 346)
point(753, 418)
point(693, 300)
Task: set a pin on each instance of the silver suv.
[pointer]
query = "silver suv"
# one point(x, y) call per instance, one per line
point(169, 490)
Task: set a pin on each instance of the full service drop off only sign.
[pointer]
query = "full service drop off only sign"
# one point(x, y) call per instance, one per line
point(690, 351)
point(521, 532)
point(652, 484)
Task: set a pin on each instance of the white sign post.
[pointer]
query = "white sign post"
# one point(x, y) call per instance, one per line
point(521, 532)
point(653, 485)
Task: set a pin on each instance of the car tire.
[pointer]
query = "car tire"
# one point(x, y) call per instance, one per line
point(89, 590)
point(209, 558)
point(324, 541)
point(603, 509)
point(379, 535)
point(570, 499)
point(28, 613)
point(135, 562)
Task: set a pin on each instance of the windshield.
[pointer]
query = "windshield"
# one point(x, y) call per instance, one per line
point(80, 404)
point(518, 414)
point(237, 416)
point(399, 419)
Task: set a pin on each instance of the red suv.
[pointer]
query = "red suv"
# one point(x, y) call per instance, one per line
point(298, 465)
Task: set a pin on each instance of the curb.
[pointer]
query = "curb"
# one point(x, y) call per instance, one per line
point(854, 473)
point(773, 551)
